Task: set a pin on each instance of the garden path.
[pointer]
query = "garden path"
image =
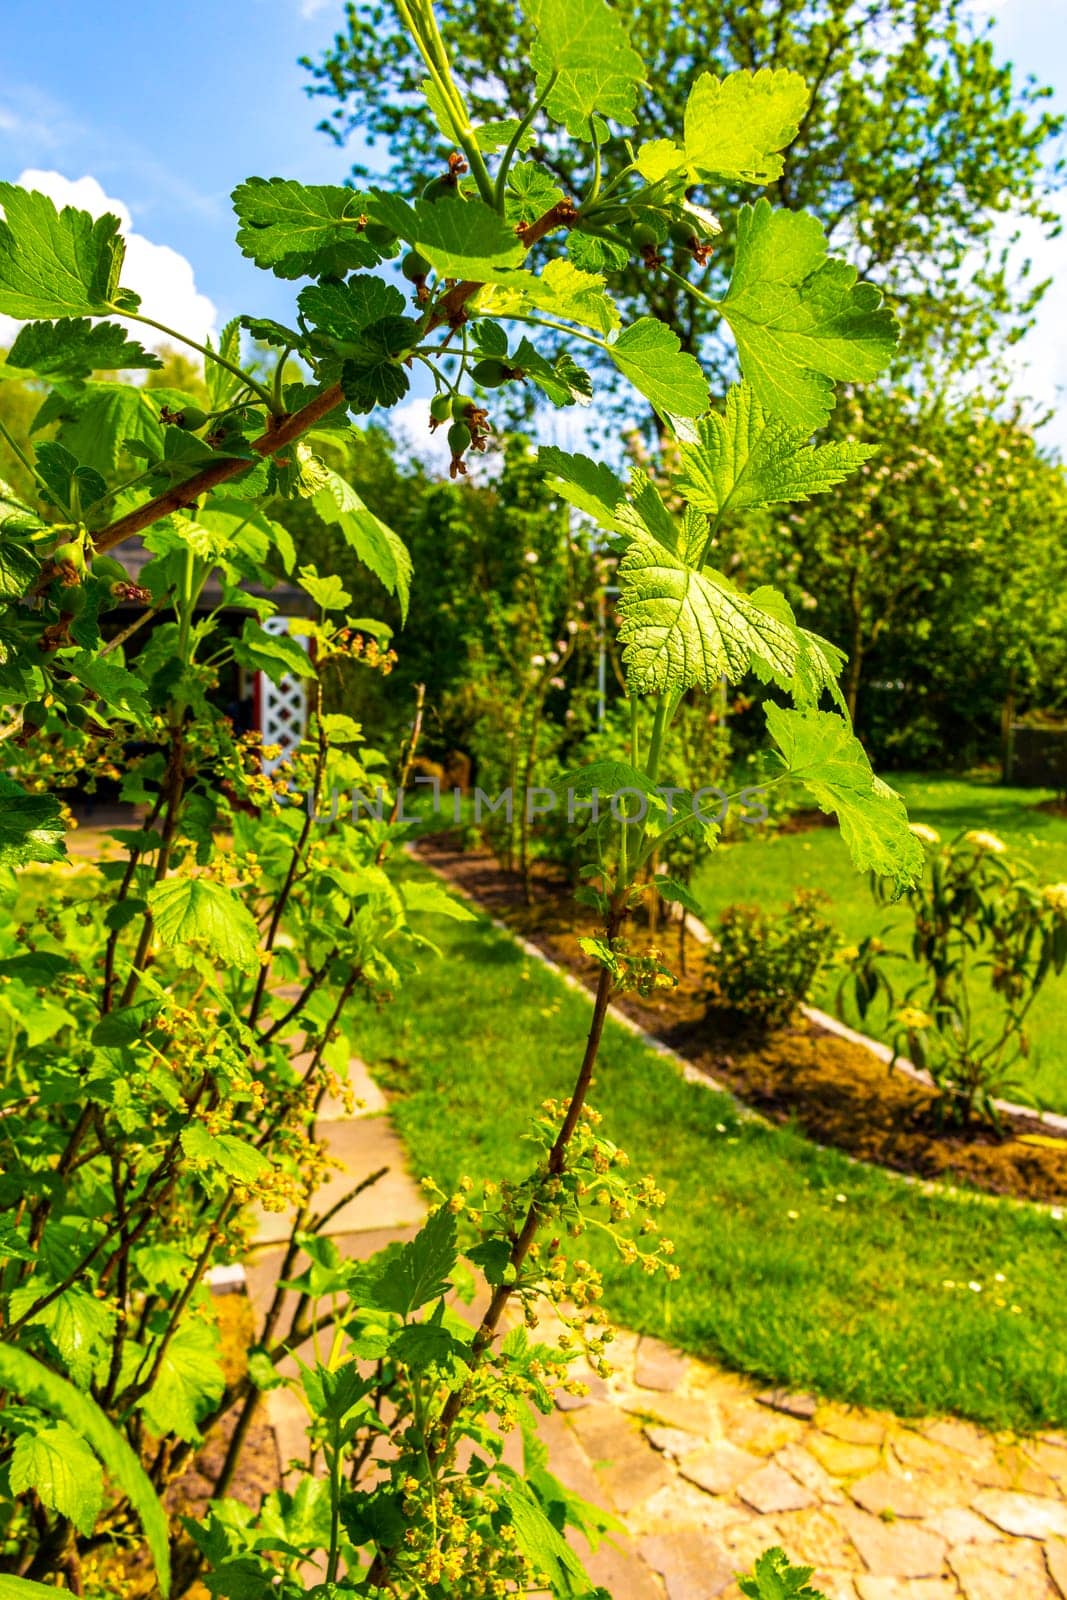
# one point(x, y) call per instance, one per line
point(707, 1471)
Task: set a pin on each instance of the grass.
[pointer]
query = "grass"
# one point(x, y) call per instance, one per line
point(797, 1266)
point(765, 868)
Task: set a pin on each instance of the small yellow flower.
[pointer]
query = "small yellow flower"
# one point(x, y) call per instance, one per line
point(1055, 895)
point(912, 1018)
point(986, 841)
point(927, 835)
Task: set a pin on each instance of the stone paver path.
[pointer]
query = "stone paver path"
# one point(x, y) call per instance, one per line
point(707, 1470)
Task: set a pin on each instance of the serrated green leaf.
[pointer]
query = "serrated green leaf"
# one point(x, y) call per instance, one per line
point(59, 1466)
point(376, 545)
point(74, 347)
point(373, 373)
point(819, 663)
point(31, 826)
point(72, 486)
point(735, 126)
point(670, 889)
point(277, 654)
point(21, 1374)
point(588, 485)
point(531, 191)
point(409, 1276)
point(224, 1151)
point(329, 592)
point(650, 355)
point(55, 263)
point(572, 295)
point(682, 627)
point(343, 310)
point(745, 457)
point(460, 238)
point(775, 1578)
point(543, 1544)
point(432, 899)
point(819, 750)
point(77, 1324)
point(801, 320)
point(302, 230)
point(18, 568)
point(122, 693)
point(560, 380)
point(585, 43)
point(199, 911)
point(190, 1380)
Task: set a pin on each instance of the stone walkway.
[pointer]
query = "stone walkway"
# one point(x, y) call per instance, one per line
point(707, 1471)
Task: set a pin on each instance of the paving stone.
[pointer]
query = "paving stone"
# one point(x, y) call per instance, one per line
point(368, 1099)
point(1056, 1560)
point(719, 1468)
point(854, 1427)
point(756, 1428)
point(680, 1504)
point(657, 1366)
point(1025, 1516)
point(959, 1526)
point(671, 1441)
point(815, 1539)
point(688, 1412)
point(690, 1563)
point(835, 1585)
point(1024, 1475)
point(953, 1476)
point(621, 1571)
point(627, 1467)
point(841, 1459)
point(1002, 1572)
point(958, 1435)
point(771, 1490)
point(1050, 1458)
point(883, 1492)
point(811, 1473)
point(893, 1550)
point(792, 1405)
point(745, 1541)
point(869, 1588)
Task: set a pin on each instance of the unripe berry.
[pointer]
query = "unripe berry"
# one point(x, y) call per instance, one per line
point(684, 235)
point(415, 267)
point(644, 237)
point(459, 438)
point(444, 188)
point(381, 237)
point(441, 407)
point(191, 418)
point(490, 373)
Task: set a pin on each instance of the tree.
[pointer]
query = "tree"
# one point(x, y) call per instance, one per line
point(917, 150)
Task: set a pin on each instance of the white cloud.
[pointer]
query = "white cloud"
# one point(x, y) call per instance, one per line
point(311, 8)
point(162, 277)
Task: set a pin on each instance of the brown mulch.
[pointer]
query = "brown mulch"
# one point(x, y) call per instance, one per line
point(837, 1092)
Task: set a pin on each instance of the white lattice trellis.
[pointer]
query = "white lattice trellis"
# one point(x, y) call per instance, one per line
point(283, 707)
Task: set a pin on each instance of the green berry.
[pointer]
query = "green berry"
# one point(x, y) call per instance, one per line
point(459, 438)
point(72, 691)
point(415, 267)
point(490, 373)
point(644, 237)
point(684, 235)
point(77, 716)
point(461, 405)
point(441, 407)
point(191, 418)
point(381, 237)
point(35, 713)
point(109, 570)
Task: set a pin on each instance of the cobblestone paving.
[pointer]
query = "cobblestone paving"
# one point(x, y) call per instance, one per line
point(707, 1470)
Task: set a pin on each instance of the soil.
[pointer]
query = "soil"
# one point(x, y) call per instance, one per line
point(837, 1092)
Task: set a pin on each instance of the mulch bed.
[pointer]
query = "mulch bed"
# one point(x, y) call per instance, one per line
point(838, 1092)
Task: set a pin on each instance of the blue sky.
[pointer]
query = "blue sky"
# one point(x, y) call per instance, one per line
point(167, 106)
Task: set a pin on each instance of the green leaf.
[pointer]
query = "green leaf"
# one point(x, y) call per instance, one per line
point(775, 1578)
point(800, 318)
point(542, 1543)
point(650, 355)
point(671, 889)
point(190, 1380)
point(277, 654)
point(607, 778)
point(74, 348)
point(343, 310)
point(373, 373)
point(302, 230)
point(735, 126)
point(202, 912)
point(682, 627)
point(531, 192)
point(819, 663)
point(56, 263)
point(31, 826)
point(99, 420)
point(18, 567)
point(78, 1325)
point(745, 457)
point(329, 592)
point(16, 517)
point(409, 1276)
point(572, 295)
point(561, 380)
point(123, 694)
point(819, 750)
point(586, 44)
point(460, 238)
point(27, 1378)
point(225, 1151)
point(432, 899)
point(376, 545)
point(58, 1464)
point(71, 485)
point(588, 485)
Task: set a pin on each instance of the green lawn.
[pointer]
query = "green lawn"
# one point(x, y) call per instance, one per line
point(765, 869)
point(797, 1266)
